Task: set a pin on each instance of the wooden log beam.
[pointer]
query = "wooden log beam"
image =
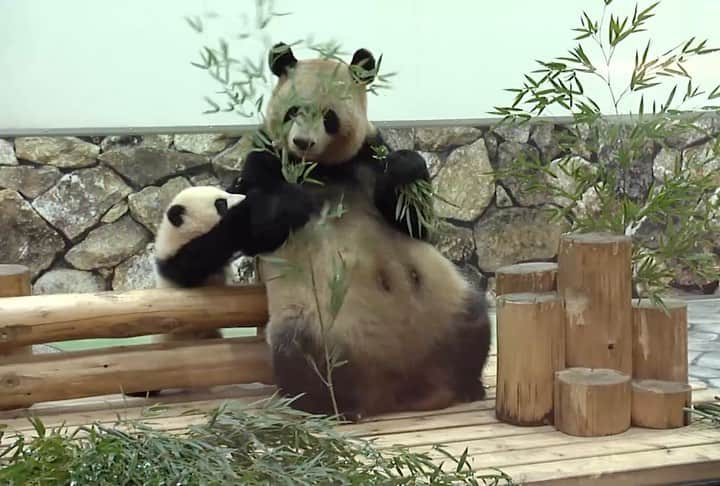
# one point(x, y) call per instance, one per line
point(594, 279)
point(660, 404)
point(660, 341)
point(592, 402)
point(526, 277)
point(531, 348)
point(60, 376)
point(63, 317)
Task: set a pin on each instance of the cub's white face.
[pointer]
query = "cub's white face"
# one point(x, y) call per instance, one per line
point(193, 212)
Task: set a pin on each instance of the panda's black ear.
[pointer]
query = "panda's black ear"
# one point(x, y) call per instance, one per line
point(362, 66)
point(175, 214)
point(281, 58)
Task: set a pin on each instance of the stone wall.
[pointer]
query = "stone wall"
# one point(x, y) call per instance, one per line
point(82, 212)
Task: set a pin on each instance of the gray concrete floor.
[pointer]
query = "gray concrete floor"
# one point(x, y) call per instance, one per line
point(704, 340)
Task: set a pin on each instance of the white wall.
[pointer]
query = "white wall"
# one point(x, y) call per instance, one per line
point(73, 64)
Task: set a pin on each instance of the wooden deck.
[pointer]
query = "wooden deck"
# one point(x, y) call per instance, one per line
point(531, 455)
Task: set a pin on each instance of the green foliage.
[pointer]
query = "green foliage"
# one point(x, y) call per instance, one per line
point(261, 444)
point(707, 412)
point(599, 196)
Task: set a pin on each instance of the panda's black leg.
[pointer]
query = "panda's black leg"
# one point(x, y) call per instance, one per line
point(299, 371)
point(470, 347)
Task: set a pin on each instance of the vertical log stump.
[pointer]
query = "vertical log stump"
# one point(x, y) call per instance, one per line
point(659, 404)
point(526, 277)
point(592, 402)
point(14, 282)
point(594, 279)
point(531, 348)
point(660, 341)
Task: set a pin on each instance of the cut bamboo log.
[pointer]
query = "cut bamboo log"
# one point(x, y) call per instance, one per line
point(531, 348)
point(660, 404)
point(594, 279)
point(526, 277)
point(660, 341)
point(208, 363)
point(63, 317)
point(592, 402)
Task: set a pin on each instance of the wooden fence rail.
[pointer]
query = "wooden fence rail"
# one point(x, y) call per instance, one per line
point(42, 319)
point(27, 320)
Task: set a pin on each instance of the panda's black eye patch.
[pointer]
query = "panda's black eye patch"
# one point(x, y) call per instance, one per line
point(221, 205)
point(331, 122)
point(175, 214)
point(290, 114)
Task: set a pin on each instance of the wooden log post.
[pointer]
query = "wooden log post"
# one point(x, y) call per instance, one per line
point(60, 376)
point(595, 281)
point(526, 277)
point(64, 317)
point(531, 348)
point(592, 402)
point(660, 404)
point(660, 341)
point(14, 282)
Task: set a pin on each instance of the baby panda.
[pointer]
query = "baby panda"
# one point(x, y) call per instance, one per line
point(193, 248)
point(408, 331)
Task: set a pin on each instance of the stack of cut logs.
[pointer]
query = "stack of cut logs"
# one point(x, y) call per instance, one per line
point(575, 350)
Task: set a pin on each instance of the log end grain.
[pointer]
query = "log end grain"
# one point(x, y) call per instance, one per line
point(592, 402)
point(660, 404)
point(526, 277)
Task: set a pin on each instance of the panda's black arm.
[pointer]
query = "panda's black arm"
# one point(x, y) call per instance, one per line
point(264, 220)
point(400, 168)
point(262, 169)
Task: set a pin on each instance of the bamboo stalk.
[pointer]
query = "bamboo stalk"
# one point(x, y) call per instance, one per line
point(63, 317)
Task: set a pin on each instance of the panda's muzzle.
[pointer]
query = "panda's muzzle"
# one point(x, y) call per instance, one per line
point(303, 144)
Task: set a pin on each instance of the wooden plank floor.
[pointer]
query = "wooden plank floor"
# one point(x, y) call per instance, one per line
point(531, 455)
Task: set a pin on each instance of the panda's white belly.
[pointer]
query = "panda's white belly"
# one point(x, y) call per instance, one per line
point(401, 294)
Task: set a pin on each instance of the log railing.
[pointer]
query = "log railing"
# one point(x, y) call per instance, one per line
point(27, 320)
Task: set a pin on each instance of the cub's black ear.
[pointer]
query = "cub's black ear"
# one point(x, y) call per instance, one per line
point(221, 206)
point(175, 214)
point(362, 66)
point(281, 58)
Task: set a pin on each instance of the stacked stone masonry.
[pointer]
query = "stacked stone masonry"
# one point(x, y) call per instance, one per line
point(82, 212)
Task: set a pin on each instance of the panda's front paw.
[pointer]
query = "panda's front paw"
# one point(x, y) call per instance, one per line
point(261, 169)
point(404, 167)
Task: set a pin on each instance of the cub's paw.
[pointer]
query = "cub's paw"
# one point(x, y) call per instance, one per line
point(261, 169)
point(352, 416)
point(404, 167)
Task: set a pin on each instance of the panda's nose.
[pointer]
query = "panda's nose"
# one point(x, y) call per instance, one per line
point(303, 143)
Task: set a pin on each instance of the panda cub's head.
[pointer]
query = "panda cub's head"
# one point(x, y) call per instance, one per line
point(193, 212)
point(318, 108)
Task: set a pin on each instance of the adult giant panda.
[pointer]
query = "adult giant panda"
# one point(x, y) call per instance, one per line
point(193, 247)
point(411, 333)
